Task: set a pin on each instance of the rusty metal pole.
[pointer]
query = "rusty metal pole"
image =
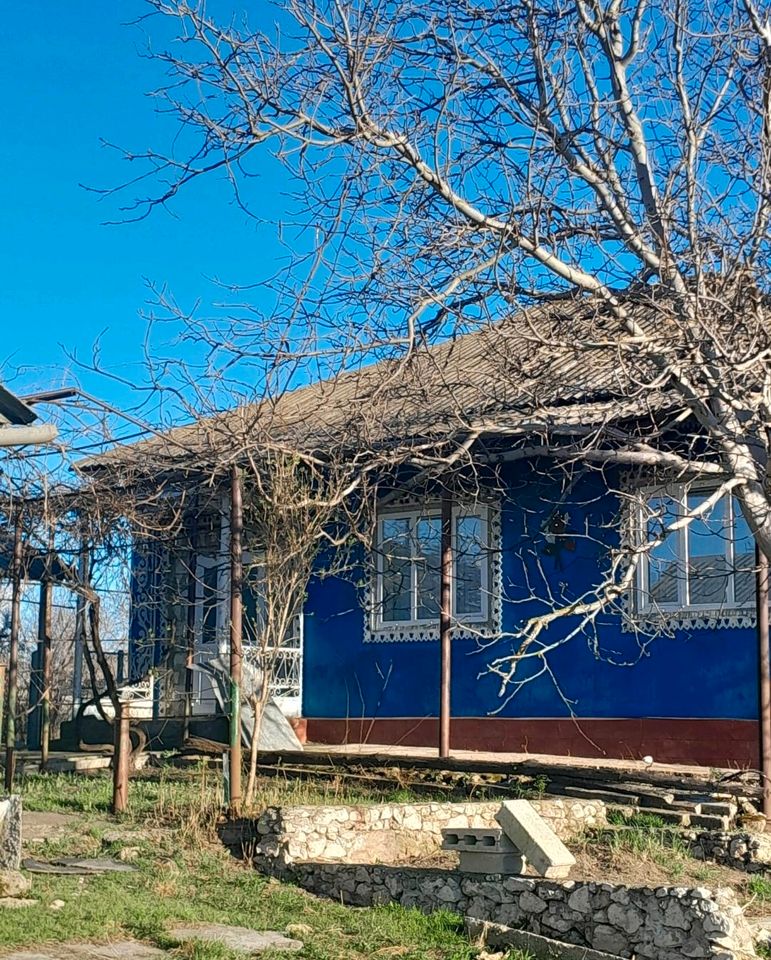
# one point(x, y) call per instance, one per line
point(44, 636)
point(764, 675)
point(236, 622)
point(445, 627)
point(13, 659)
point(121, 758)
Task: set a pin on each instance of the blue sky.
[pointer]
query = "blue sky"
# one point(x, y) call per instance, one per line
point(73, 75)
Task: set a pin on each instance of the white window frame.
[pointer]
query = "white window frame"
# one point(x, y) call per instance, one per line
point(431, 510)
point(678, 493)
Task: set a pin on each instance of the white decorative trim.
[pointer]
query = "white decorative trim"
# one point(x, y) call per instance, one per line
point(661, 620)
point(417, 632)
point(690, 620)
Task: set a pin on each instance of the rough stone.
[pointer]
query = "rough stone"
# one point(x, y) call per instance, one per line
point(609, 940)
point(10, 832)
point(392, 833)
point(13, 883)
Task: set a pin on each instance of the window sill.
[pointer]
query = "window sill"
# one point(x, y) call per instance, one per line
point(427, 631)
point(694, 618)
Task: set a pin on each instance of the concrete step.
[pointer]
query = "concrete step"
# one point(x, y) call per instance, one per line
point(611, 797)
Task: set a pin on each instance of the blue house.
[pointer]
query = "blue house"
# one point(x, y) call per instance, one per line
point(668, 666)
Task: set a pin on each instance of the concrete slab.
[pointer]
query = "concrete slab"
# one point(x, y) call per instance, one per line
point(77, 866)
point(536, 840)
point(500, 938)
point(235, 938)
point(123, 950)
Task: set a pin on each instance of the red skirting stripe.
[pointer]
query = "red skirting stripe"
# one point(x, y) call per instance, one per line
point(718, 743)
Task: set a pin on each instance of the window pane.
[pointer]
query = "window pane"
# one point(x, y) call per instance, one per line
point(708, 537)
point(428, 553)
point(664, 567)
point(209, 603)
point(744, 558)
point(397, 589)
point(254, 603)
point(469, 557)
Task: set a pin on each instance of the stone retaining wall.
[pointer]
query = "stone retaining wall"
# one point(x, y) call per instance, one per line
point(393, 832)
point(668, 923)
point(744, 851)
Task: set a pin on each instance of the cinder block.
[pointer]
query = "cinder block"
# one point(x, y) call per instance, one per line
point(536, 840)
point(477, 839)
point(708, 822)
point(471, 862)
point(716, 809)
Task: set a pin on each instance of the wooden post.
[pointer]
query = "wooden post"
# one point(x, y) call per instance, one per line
point(236, 618)
point(764, 675)
point(13, 659)
point(445, 627)
point(44, 636)
point(121, 758)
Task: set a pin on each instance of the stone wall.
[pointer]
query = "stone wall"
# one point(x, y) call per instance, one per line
point(668, 923)
point(394, 832)
point(744, 851)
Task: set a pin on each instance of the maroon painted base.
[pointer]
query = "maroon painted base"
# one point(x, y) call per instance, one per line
point(716, 743)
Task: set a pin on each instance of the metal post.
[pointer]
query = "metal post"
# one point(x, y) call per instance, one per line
point(13, 659)
point(80, 630)
point(236, 618)
point(445, 627)
point(764, 675)
point(46, 667)
point(121, 758)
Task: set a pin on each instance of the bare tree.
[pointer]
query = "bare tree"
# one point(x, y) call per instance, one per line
point(454, 163)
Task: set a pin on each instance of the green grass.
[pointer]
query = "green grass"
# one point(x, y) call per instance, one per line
point(185, 875)
point(759, 887)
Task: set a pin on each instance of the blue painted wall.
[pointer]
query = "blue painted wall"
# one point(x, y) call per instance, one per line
point(700, 673)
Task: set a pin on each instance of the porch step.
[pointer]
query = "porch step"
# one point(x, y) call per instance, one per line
point(610, 797)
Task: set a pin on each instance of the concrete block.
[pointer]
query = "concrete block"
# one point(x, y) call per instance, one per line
point(508, 863)
point(535, 839)
point(477, 839)
point(708, 822)
point(716, 809)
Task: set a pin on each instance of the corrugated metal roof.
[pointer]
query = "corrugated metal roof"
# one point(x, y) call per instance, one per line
point(529, 367)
